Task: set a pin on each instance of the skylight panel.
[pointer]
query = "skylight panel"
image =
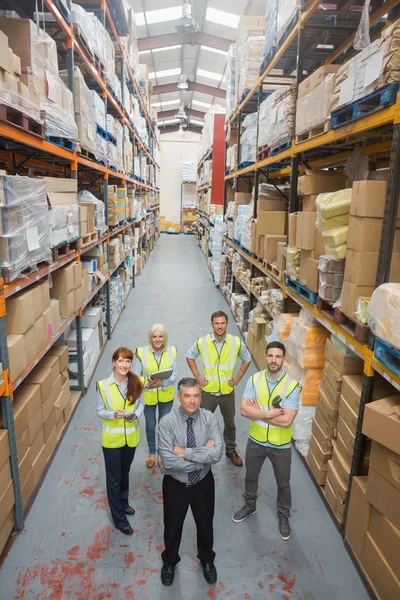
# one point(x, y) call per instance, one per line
point(163, 14)
point(200, 103)
point(166, 73)
point(222, 18)
point(167, 48)
point(139, 19)
point(216, 50)
point(141, 52)
point(209, 74)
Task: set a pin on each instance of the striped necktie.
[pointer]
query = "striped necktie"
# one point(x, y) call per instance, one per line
point(194, 476)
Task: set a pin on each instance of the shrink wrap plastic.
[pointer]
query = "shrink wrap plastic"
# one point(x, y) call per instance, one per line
point(302, 428)
point(271, 22)
point(384, 313)
point(333, 204)
point(336, 236)
point(286, 11)
point(249, 58)
point(231, 210)
point(99, 211)
point(276, 117)
point(18, 99)
point(231, 100)
point(362, 304)
point(313, 109)
point(27, 243)
point(242, 227)
point(282, 324)
point(249, 139)
point(333, 208)
point(293, 256)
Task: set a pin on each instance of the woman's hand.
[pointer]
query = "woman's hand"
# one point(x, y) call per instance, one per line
point(154, 383)
point(133, 418)
point(119, 414)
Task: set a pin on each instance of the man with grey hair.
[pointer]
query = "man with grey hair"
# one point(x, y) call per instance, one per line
point(189, 441)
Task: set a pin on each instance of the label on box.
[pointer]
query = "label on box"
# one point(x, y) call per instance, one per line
point(346, 91)
point(373, 68)
point(32, 238)
point(51, 87)
point(100, 275)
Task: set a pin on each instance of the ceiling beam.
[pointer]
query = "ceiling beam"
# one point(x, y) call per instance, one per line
point(170, 128)
point(167, 114)
point(193, 86)
point(173, 39)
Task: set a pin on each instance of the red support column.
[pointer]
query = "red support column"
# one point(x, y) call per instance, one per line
point(218, 161)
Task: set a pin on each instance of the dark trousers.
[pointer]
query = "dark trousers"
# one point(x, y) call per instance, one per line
point(227, 407)
point(281, 459)
point(177, 498)
point(118, 463)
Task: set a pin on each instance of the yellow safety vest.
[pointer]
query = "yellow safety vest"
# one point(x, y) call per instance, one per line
point(218, 369)
point(150, 365)
point(117, 432)
point(261, 431)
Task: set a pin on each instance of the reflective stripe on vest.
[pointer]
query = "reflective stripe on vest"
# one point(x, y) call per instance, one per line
point(218, 369)
point(117, 432)
point(265, 432)
point(150, 365)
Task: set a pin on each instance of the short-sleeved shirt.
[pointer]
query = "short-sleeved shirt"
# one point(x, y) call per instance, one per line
point(291, 402)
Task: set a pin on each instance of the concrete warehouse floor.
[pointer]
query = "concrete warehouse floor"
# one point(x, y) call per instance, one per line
point(69, 549)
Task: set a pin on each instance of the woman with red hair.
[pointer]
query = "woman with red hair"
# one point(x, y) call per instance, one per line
point(120, 404)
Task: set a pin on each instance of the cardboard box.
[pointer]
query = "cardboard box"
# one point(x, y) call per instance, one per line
point(313, 80)
point(48, 404)
point(333, 376)
point(20, 316)
point(358, 516)
point(346, 434)
point(35, 425)
point(387, 538)
point(381, 575)
point(20, 417)
point(77, 271)
point(42, 377)
point(25, 467)
point(321, 456)
point(323, 440)
point(56, 314)
point(5, 477)
point(28, 488)
point(305, 255)
point(242, 198)
point(4, 56)
point(384, 496)
point(361, 268)
point(339, 489)
point(16, 354)
point(258, 326)
point(63, 281)
point(61, 351)
point(271, 247)
point(250, 340)
point(30, 396)
point(323, 424)
point(79, 297)
point(333, 397)
point(62, 400)
point(67, 304)
point(8, 524)
point(342, 468)
point(329, 411)
point(264, 204)
point(345, 365)
point(292, 219)
point(348, 415)
point(6, 502)
point(309, 203)
point(260, 246)
point(305, 235)
point(49, 424)
point(336, 505)
point(51, 362)
point(271, 223)
point(352, 388)
point(365, 235)
point(318, 473)
point(350, 294)
point(341, 447)
point(37, 445)
point(368, 199)
point(4, 447)
point(40, 334)
point(23, 444)
point(312, 278)
point(281, 258)
point(318, 182)
point(45, 294)
point(382, 422)
point(37, 305)
point(319, 246)
point(29, 343)
point(386, 463)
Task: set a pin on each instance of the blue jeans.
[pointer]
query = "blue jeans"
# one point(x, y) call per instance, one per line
point(150, 414)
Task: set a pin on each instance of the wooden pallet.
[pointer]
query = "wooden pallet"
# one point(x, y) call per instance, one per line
point(314, 132)
point(367, 105)
point(263, 152)
point(88, 239)
point(387, 355)
point(301, 290)
point(64, 250)
point(360, 331)
point(274, 271)
point(19, 119)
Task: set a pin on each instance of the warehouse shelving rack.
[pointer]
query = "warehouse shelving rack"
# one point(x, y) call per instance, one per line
point(22, 152)
point(376, 135)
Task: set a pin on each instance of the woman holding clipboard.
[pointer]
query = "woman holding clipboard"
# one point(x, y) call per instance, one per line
point(156, 362)
point(119, 405)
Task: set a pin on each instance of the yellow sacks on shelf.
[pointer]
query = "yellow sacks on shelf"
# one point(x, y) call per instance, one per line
point(335, 237)
point(333, 204)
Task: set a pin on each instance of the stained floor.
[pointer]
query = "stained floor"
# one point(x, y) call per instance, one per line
point(69, 549)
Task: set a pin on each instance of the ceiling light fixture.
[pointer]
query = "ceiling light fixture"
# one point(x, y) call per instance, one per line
point(183, 84)
point(187, 23)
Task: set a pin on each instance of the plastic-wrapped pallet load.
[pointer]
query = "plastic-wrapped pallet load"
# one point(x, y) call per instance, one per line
point(88, 199)
point(25, 237)
point(249, 139)
point(63, 210)
point(230, 81)
point(374, 67)
point(39, 72)
point(188, 171)
point(216, 246)
point(249, 57)
point(271, 20)
point(331, 275)
point(384, 313)
point(276, 118)
point(313, 105)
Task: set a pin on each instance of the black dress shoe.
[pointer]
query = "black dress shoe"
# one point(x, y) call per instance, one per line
point(126, 530)
point(167, 574)
point(128, 510)
point(210, 573)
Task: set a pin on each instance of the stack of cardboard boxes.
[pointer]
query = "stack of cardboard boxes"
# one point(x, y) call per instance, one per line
point(64, 217)
point(87, 217)
point(70, 287)
point(365, 227)
point(6, 490)
point(258, 329)
point(95, 264)
point(116, 252)
point(373, 520)
point(32, 319)
point(92, 326)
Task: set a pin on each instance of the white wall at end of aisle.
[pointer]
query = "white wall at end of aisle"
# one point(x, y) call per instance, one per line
point(174, 149)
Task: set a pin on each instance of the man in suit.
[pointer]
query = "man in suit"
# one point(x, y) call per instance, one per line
point(190, 442)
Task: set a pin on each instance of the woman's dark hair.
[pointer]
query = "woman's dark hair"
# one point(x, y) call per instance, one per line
point(135, 385)
point(277, 345)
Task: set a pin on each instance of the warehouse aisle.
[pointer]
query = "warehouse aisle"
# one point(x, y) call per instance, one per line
point(69, 549)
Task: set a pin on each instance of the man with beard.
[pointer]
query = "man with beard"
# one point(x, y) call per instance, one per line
point(271, 402)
